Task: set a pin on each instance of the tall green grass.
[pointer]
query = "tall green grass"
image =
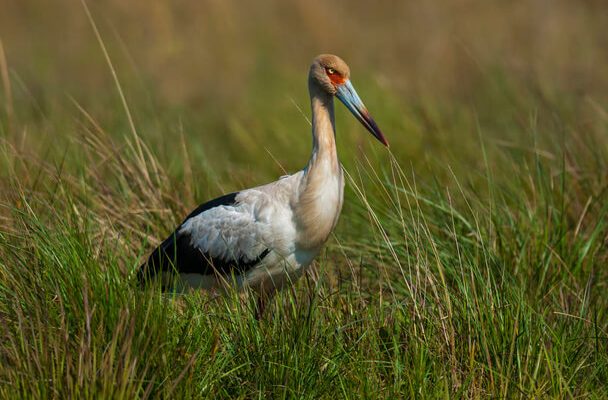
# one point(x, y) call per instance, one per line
point(469, 261)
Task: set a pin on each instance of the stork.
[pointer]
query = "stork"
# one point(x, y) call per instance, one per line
point(264, 238)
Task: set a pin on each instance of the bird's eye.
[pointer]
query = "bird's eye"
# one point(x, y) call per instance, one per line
point(330, 71)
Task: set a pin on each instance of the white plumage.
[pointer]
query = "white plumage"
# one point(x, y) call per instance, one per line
point(262, 218)
point(265, 237)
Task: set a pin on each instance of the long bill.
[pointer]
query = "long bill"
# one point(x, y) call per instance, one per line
point(347, 94)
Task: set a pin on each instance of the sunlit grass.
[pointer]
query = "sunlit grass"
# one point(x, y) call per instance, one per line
point(469, 261)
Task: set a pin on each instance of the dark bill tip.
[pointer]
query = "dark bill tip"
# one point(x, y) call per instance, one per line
point(347, 94)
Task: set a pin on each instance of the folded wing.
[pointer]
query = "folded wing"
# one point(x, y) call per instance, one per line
point(222, 236)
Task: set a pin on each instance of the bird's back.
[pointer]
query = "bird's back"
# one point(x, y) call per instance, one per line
point(230, 236)
point(205, 243)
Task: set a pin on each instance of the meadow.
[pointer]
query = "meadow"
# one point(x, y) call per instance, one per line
point(470, 260)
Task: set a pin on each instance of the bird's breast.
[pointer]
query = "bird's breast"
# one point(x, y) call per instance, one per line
point(317, 209)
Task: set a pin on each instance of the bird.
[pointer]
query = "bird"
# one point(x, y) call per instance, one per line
point(264, 238)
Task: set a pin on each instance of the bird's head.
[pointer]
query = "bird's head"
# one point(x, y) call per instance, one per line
point(331, 74)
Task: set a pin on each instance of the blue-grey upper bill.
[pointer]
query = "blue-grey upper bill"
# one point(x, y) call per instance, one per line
point(348, 95)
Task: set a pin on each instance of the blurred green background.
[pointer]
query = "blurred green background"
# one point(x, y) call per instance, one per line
point(230, 72)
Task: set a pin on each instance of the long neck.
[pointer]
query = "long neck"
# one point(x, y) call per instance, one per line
point(324, 158)
point(320, 196)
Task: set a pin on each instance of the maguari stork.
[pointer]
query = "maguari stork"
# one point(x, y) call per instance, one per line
point(264, 238)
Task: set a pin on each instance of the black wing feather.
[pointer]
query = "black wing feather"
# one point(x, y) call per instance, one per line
point(177, 254)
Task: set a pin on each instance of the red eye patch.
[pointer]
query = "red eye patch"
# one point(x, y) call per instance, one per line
point(335, 77)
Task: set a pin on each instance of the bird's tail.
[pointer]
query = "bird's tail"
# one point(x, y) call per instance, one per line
point(147, 272)
point(143, 274)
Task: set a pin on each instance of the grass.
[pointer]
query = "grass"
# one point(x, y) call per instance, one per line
point(469, 261)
